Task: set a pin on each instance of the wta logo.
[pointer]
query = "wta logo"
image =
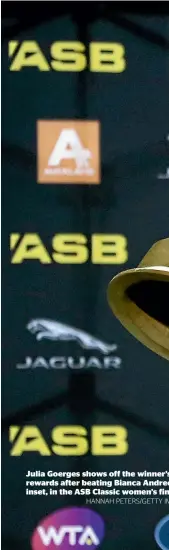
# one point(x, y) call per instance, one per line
point(77, 528)
point(162, 533)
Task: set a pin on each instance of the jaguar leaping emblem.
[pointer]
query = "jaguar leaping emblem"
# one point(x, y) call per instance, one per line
point(52, 330)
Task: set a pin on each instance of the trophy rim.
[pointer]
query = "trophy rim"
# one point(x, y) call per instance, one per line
point(150, 332)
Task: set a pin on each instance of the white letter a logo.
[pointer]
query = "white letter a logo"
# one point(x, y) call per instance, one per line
point(69, 146)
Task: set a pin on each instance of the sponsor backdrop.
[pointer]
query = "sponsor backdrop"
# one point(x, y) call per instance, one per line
point(85, 194)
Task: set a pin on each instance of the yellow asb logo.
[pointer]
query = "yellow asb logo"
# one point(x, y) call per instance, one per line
point(104, 57)
point(69, 441)
point(69, 248)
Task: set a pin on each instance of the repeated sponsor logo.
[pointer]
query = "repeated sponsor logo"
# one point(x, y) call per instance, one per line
point(162, 533)
point(69, 248)
point(68, 151)
point(106, 440)
point(67, 56)
point(67, 528)
point(165, 175)
point(56, 331)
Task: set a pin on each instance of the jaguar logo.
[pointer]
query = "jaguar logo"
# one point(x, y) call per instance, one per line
point(52, 330)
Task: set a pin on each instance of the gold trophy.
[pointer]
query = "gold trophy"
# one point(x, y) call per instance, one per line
point(139, 298)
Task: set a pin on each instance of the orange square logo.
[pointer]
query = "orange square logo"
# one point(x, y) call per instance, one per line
point(68, 151)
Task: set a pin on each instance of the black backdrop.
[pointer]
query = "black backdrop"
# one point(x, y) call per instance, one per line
point(131, 200)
